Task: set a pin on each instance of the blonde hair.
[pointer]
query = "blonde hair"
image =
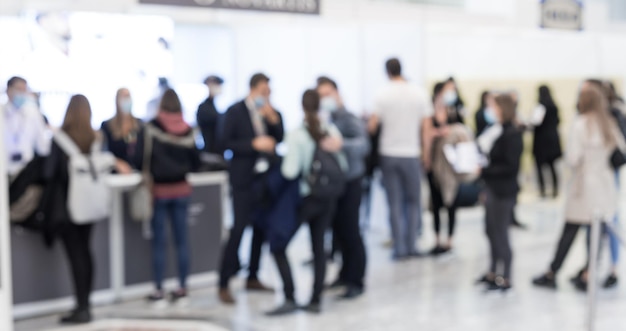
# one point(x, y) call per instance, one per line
point(593, 102)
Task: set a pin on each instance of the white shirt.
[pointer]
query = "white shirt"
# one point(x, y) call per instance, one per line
point(25, 133)
point(401, 108)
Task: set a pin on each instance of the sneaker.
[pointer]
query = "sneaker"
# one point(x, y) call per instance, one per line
point(611, 282)
point(545, 281)
point(78, 316)
point(179, 298)
point(157, 300)
point(287, 308)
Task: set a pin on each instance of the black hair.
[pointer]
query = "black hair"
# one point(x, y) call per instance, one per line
point(483, 99)
point(394, 68)
point(545, 96)
point(14, 80)
point(257, 79)
point(437, 90)
point(327, 80)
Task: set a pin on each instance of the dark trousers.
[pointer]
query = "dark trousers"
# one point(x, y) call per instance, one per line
point(77, 242)
point(284, 269)
point(347, 233)
point(437, 199)
point(176, 211)
point(555, 179)
point(498, 219)
point(318, 213)
point(244, 207)
point(565, 244)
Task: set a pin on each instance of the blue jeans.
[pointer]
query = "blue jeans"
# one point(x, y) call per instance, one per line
point(176, 210)
point(402, 182)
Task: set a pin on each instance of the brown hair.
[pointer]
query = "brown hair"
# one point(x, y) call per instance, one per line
point(77, 123)
point(593, 101)
point(170, 103)
point(508, 107)
point(311, 106)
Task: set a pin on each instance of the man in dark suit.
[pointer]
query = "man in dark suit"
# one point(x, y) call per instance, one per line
point(208, 116)
point(252, 128)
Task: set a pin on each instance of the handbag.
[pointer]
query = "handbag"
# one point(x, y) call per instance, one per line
point(141, 199)
point(617, 159)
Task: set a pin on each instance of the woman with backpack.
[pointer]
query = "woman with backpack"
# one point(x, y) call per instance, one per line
point(314, 156)
point(168, 144)
point(76, 236)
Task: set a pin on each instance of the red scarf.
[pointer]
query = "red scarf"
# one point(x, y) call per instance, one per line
point(173, 123)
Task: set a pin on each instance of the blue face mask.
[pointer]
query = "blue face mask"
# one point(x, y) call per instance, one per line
point(126, 105)
point(329, 104)
point(19, 100)
point(259, 102)
point(490, 117)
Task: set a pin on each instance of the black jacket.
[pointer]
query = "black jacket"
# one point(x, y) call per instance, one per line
point(547, 143)
point(208, 119)
point(123, 149)
point(169, 163)
point(504, 163)
point(237, 136)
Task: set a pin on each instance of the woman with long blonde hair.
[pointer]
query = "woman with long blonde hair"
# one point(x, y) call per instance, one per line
point(592, 192)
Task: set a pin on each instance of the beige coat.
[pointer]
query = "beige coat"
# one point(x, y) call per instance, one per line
point(592, 190)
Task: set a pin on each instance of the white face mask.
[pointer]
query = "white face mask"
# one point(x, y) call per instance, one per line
point(329, 104)
point(450, 98)
point(126, 105)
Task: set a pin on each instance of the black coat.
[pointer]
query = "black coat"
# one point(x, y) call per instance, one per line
point(547, 143)
point(501, 174)
point(481, 122)
point(56, 174)
point(208, 119)
point(237, 136)
point(124, 148)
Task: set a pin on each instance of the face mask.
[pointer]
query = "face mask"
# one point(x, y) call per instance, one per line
point(324, 116)
point(19, 100)
point(329, 104)
point(490, 117)
point(450, 98)
point(126, 105)
point(259, 102)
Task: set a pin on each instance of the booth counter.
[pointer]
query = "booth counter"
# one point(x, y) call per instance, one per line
point(42, 282)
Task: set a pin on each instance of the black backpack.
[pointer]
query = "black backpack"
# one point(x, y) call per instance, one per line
point(326, 178)
point(620, 119)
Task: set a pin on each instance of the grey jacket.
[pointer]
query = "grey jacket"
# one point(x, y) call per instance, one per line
point(356, 145)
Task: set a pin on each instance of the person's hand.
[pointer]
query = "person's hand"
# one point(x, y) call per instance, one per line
point(331, 144)
point(443, 132)
point(123, 167)
point(269, 113)
point(264, 144)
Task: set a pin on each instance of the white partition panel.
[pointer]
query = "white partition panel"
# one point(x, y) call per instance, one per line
point(6, 317)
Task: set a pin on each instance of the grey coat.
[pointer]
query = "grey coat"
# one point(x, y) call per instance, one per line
point(356, 145)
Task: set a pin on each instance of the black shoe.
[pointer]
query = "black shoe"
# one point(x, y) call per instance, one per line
point(611, 282)
point(581, 285)
point(545, 281)
point(518, 225)
point(336, 285)
point(577, 278)
point(79, 316)
point(287, 308)
point(485, 280)
point(313, 308)
point(436, 251)
point(179, 297)
point(352, 292)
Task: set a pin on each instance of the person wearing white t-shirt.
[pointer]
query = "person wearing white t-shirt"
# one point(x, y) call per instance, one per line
point(401, 109)
point(25, 131)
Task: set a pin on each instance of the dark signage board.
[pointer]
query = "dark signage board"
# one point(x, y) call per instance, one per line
point(311, 7)
point(562, 14)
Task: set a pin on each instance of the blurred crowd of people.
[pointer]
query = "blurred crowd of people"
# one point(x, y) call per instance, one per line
point(325, 174)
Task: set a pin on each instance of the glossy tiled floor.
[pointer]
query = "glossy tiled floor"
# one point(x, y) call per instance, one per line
point(425, 294)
